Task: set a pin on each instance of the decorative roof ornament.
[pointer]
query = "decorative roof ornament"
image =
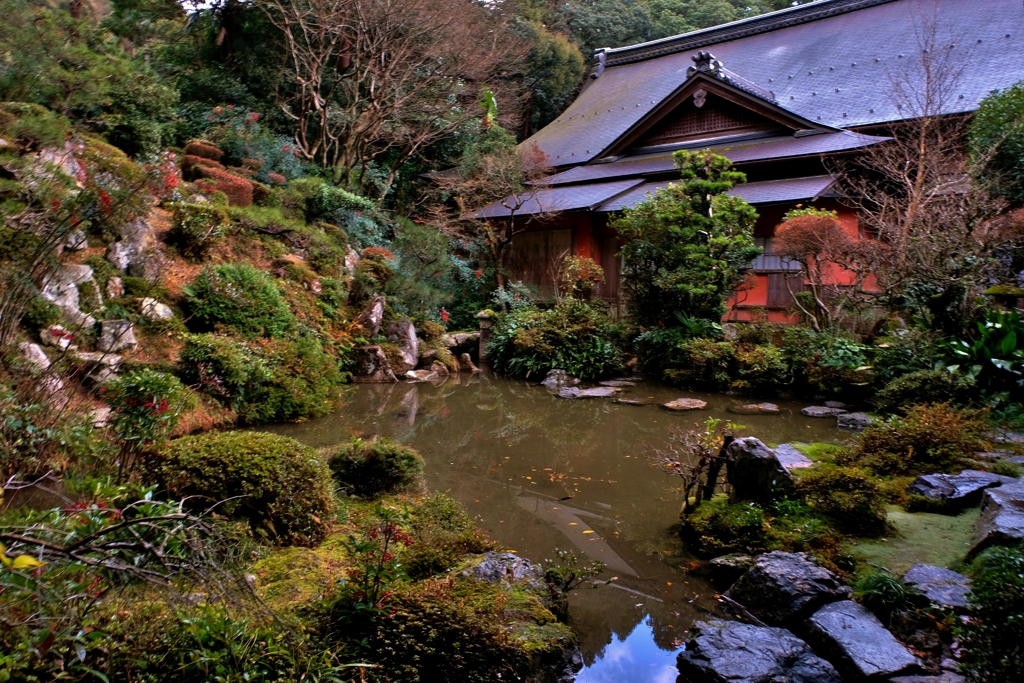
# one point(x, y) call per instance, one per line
point(705, 62)
point(700, 96)
point(601, 57)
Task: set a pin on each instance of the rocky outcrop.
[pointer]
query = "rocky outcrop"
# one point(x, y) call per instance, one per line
point(791, 458)
point(853, 639)
point(732, 652)
point(961, 490)
point(371, 366)
point(115, 288)
point(138, 251)
point(34, 355)
point(682, 404)
point(556, 379)
point(372, 316)
point(61, 289)
point(466, 364)
point(117, 335)
point(822, 411)
point(56, 335)
point(152, 309)
point(403, 333)
point(508, 568)
point(755, 473)
point(1002, 517)
point(457, 340)
point(783, 588)
point(854, 422)
point(943, 587)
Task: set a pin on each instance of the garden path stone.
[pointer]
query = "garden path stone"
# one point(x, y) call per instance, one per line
point(822, 411)
point(755, 409)
point(756, 473)
point(732, 652)
point(791, 458)
point(943, 587)
point(854, 422)
point(556, 379)
point(371, 366)
point(782, 588)
point(685, 404)
point(1002, 517)
point(962, 489)
point(853, 639)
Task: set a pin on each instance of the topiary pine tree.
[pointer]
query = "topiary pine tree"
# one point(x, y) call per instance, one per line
point(687, 246)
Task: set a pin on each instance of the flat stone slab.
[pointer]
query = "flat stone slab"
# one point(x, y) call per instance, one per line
point(822, 411)
point(944, 677)
point(784, 587)
point(1003, 436)
point(855, 641)
point(755, 409)
point(943, 587)
point(963, 489)
point(596, 392)
point(1002, 517)
point(732, 652)
point(854, 422)
point(791, 458)
point(835, 404)
point(630, 401)
point(685, 404)
point(617, 383)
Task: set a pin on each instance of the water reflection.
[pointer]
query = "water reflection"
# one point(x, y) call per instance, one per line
point(540, 473)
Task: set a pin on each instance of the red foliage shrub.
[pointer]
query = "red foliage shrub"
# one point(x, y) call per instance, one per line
point(372, 252)
point(190, 162)
point(238, 190)
point(254, 164)
point(277, 179)
point(810, 235)
point(247, 172)
point(202, 149)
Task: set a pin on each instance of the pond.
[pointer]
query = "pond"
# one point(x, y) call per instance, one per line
point(540, 473)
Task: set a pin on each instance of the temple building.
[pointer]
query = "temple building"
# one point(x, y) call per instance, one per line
point(785, 96)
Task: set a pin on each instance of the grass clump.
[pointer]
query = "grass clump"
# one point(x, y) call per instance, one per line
point(372, 468)
point(883, 594)
point(847, 495)
point(281, 488)
point(240, 297)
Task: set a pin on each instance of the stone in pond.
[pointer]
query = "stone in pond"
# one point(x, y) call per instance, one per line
point(853, 638)
point(498, 567)
point(686, 404)
point(942, 587)
point(835, 404)
point(556, 379)
point(371, 366)
point(617, 383)
point(784, 587)
point(466, 364)
point(822, 411)
point(756, 473)
point(791, 458)
point(630, 401)
point(421, 376)
point(1002, 517)
point(727, 568)
point(964, 489)
point(596, 392)
point(854, 422)
point(731, 652)
point(755, 409)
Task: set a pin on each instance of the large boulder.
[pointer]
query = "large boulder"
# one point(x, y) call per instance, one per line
point(962, 490)
point(942, 587)
point(853, 639)
point(791, 457)
point(371, 366)
point(755, 473)
point(1002, 517)
point(732, 652)
point(854, 422)
point(783, 588)
point(117, 335)
point(403, 333)
point(372, 316)
point(557, 379)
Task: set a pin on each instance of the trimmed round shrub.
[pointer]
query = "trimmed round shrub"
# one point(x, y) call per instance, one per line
point(847, 495)
point(281, 488)
point(238, 296)
point(373, 468)
point(925, 386)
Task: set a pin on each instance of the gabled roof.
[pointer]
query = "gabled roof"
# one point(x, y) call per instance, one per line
point(828, 61)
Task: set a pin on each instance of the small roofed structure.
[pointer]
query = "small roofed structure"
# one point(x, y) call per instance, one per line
point(784, 96)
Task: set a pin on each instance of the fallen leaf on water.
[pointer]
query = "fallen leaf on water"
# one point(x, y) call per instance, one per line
point(573, 523)
point(589, 531)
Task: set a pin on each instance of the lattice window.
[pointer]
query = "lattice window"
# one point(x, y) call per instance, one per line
point(716, 116)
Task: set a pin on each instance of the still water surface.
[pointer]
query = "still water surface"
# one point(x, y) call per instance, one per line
point(540, 473)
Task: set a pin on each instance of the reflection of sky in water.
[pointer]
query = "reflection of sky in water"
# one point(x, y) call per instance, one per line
point(636, 659)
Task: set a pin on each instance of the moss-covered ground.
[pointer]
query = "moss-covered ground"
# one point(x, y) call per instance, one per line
point(918, 537)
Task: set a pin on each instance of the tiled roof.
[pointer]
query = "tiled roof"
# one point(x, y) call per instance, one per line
point(829, 61)
point(739, 152)
point(767, 192)
point(568, 198)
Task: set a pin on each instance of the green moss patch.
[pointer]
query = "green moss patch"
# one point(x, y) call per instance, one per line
point(920, 537)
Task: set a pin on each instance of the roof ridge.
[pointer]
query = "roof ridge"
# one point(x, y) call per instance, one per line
point(764, 23)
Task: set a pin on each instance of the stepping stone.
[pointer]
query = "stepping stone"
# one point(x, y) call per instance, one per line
point(853, 638)
point(782, 588)
point(596, 392)
point(630, 402)
point(755, 409)
point(835, 404)
point(1002, 517)
point(822, 411)
point(942, 587)
point(617, 383)
point(791, 458)
point(733, 652)
point(685, 404)
point(963, 489)
point(1003, 436)
point(854, 422)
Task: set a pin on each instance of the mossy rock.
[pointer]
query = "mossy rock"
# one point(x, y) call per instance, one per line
point(281, 488)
